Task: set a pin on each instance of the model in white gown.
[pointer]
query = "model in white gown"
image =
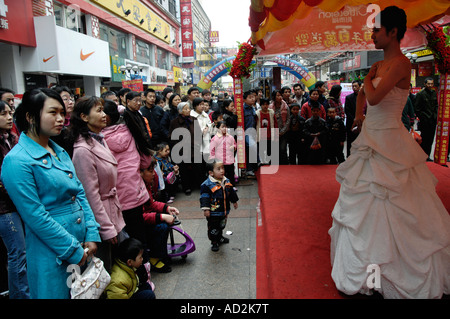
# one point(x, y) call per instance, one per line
point(388, 212)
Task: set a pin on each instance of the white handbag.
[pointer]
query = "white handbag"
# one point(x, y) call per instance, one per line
point(92, 282)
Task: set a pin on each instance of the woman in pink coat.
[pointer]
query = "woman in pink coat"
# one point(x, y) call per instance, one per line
point(96, 168)
point(132, 154)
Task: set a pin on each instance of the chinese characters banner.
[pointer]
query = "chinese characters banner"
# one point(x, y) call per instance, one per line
point(443, 121)
point(187, 36)
point(239, 105)
point(320, 31)
point(134, 85)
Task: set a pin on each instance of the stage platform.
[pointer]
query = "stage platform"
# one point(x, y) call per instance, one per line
point(293, 245)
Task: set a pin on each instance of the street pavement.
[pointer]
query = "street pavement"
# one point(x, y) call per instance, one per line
point(229, 273)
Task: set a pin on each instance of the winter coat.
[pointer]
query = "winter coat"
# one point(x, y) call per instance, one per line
point(57, 216)
point(97, 170)
point(222, 148)
point(124, 281)
point(154, 116)
point(191, 124)
point(306, 112)
point(282, 115)
point(152, 209)
point(204, 121)
point(216, 196)
point(130, 185)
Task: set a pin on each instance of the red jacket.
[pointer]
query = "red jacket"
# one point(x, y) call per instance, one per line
point(152, 209)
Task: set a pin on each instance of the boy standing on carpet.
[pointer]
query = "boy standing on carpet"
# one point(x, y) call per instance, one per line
point(315, 131)
point(216, 194)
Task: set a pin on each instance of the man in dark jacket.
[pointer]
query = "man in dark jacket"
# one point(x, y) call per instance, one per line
point(350, 110)
point(426, 108)
point(154, 115)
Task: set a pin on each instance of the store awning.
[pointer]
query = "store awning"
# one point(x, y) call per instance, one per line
point(292, 23)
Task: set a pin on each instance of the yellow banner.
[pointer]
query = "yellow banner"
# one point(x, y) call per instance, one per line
point(140, 15)
point(177, 74)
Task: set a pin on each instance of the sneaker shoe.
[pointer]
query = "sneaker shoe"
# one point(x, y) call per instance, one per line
point(215, 247)
point(158, 266)
point(224, 240)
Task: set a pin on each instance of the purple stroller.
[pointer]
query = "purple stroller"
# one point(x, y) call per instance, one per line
point(179, 249)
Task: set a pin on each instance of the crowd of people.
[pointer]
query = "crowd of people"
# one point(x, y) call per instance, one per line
point(104, 171)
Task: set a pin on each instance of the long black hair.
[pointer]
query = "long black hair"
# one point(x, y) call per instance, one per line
point(77, 125)
point(6, 143)
point(31, 106)
point(136, 124)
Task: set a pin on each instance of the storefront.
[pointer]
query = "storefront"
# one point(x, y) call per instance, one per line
point(71, 58)
point(16, 33)
point(422, 67)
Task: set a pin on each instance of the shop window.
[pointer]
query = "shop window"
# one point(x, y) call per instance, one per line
point(163, 59)
point(173, 7)
point(144, 53)
point(118, 44)
point(70, 18)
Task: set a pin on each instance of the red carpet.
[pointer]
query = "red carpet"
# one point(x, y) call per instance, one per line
point(293, 245)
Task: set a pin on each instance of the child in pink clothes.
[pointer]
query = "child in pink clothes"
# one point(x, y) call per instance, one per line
point(222, 149)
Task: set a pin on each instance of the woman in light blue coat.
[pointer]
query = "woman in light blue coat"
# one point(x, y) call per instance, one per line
point(41, 181)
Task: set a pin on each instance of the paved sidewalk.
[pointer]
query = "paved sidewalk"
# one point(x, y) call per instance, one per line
point(228, 273)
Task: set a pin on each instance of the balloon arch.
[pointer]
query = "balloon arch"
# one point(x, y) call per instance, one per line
point(293, 67)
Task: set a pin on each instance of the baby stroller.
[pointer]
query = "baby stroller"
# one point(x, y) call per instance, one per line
point(182, 249)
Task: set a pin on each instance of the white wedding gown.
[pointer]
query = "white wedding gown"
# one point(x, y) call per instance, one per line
point(388, 212)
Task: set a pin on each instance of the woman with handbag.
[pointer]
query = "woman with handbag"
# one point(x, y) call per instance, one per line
point(97, 170)
point(41, 181)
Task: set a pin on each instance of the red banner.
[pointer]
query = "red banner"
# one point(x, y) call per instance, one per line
point(321, 31)
point(134, 85)
point(187, 35)
point(239, 105)
point(443, 121)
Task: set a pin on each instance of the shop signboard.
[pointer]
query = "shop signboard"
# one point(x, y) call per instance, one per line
point(140, 16)
point(63, 51)
point(187, 34)
point(177, 74)
point(213, 36)
point(16, 22)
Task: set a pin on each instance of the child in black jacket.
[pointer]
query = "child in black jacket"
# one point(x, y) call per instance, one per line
point(336, 138)
point(315, 136)
point(216, 196)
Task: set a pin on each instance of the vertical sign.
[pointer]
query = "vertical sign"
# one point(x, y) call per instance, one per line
point(239, 104)
point(187, 36)
point(443, 120)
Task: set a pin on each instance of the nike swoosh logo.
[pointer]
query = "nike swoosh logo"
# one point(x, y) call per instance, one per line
point(85, 56)
point(45, 60)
